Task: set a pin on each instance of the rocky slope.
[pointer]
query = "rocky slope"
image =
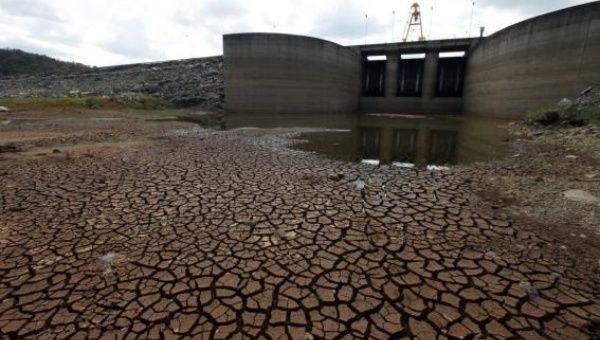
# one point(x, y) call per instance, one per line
point(189, 82)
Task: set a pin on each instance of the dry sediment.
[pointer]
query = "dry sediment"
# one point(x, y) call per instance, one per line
point(229, 234)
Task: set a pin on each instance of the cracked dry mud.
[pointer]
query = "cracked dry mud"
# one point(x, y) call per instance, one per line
point(231, 235)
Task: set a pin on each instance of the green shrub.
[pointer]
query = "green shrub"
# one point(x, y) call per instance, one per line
point(140, 102)
point(93, 103)
point(575, 117)
point(570, 117)
point(41, 103)
point(544, 116)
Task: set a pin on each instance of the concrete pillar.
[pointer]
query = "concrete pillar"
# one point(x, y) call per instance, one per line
point(391, 74)
point(430, 74)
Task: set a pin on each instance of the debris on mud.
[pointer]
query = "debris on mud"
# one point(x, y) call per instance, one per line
point(531, 291)
point(336, 176)
point(550, 185)
point(359, 184)
point(9, 148)
point(581, 196)
point(110, 261)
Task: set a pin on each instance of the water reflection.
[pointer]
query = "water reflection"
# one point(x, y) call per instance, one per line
point(408, 146)
point(442, 147)
point(407, 142)
point(404, 141)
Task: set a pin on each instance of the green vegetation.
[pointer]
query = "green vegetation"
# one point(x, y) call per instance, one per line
point(138, 102)
point(42, 103)
point(570, 117)
point(17, 62)
point(586, 116)
point(544, 116)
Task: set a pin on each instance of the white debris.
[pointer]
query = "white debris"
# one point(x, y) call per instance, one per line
point(359, 184)
point(581, 196)
point(370, 161)
point(403, 165)
point(437, 168)
point(565, 104)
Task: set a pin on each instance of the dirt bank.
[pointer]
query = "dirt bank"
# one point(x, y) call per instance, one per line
point(533, 184)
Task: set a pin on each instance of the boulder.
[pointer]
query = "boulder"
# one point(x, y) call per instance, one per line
point(589, 98)
point(581, 196)
point(587, 90)
point(4, 109)
point(565, 104)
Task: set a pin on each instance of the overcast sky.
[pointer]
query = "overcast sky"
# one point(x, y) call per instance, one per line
point(109, 32)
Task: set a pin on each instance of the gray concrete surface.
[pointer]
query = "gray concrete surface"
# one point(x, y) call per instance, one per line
point(535, 63)
point(289, 74)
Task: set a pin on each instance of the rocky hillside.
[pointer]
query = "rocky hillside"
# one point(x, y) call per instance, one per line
point(17, 62)
point(182, 83)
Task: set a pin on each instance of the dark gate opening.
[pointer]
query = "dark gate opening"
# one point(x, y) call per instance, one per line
point(450, 77)
point(410, 77)
point(374, 78)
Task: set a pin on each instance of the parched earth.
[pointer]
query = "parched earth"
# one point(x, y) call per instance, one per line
point(204, 234)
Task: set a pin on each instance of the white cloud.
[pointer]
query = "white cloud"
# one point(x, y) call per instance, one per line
point(132, 41)
point(29, 8)
point(346, 22)
point(105, 32)
point(531, 7)
point(223, 9)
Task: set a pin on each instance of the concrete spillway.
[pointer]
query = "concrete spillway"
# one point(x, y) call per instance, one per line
point(527, 65)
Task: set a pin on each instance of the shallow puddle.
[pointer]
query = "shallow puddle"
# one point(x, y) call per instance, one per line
point(399, 140)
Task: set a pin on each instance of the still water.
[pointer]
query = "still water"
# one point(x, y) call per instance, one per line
point(403, 141)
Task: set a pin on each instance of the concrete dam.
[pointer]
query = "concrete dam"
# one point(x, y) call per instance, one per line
point(530, 64)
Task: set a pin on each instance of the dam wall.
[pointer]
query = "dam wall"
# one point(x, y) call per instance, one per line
point(525, 66)
point(281, 73)
point(534, 63)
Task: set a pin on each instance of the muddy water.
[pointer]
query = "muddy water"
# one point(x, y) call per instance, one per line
point(403, 141)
